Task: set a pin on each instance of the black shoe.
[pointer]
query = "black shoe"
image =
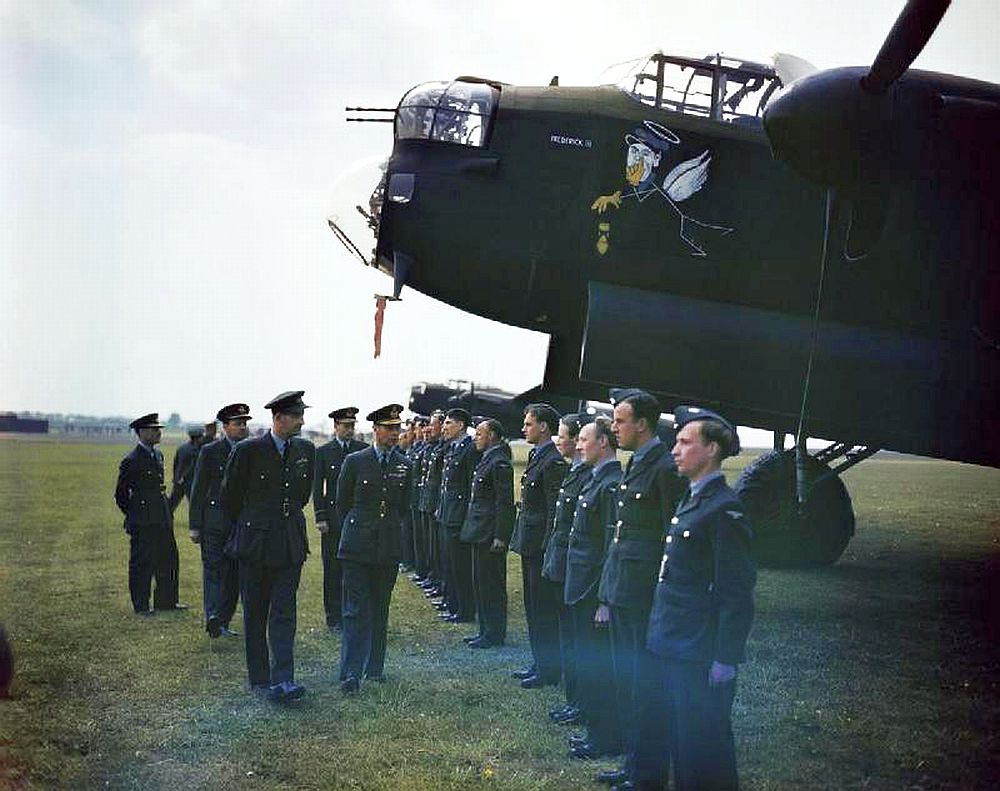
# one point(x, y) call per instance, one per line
point(612, 777)
point(576, 739)
point(524, 673)
point(471, 638)
point(286, 691)
point(534, 682)
point(574, 718)
point(484, 643)
point(569, 711)
point(625, 785)
point(587, 752)
point(225, 631)
point(350, 685)
point(214, 626)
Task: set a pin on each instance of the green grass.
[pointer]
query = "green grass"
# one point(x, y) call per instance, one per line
point(879, 672)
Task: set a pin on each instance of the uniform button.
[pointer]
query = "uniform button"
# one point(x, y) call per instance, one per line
point(561, 491)
point(333, 466)
point(624, 487)
point(687, 534)
point(211, 502)
point(618, 523)
point(666, 558)
point(621, 503)
point(670, 539)
point(674, 521)
point(584, 505)
point(579, 497)
point(638, 495)
point(286, 484)
point(364, 482)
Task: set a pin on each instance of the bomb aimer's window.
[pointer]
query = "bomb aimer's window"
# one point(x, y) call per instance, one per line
point(449, 112)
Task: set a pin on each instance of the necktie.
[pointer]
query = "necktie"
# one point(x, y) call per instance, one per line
point(628, 467)
point(385, 463)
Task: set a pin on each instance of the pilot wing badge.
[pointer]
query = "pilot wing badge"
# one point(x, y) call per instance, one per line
point(648, 149)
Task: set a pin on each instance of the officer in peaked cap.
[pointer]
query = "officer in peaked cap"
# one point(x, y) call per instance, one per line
point(459, 462)
point(701, 616)
point(210, 528)
point(267, 483)
point(415, 455)
point(329, 461)
point(141, 495)
point(430, 493)
point(372, 498)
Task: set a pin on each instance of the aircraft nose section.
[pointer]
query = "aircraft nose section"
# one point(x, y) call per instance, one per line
point(828, 129)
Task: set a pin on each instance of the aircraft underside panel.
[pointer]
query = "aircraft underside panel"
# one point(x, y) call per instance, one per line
point(888, 390)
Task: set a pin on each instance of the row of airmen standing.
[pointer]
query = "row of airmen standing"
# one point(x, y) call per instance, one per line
point(631, 577)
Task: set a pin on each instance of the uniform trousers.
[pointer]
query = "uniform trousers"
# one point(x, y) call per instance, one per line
point(367, 592)
point(441, 537)
point(541, 607)
point(406, 540)
point(567, 642)
point(687, 722)
point(269, 620)
point(332, 576)
point(462, 596)
point(419, 542)
point(594, 676)
point(150, 556)
point(220, 579)
point(431, 546)
point(634, 666)
point(489, 577)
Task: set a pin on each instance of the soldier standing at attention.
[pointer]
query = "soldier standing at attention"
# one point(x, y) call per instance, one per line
point(593, 525)
point(702, 613)
point(430, 493)
point(329, 461)
point(554, 561)
point(141, 495)
point(372, 494)
point(184, 460)
point(540, 484)
point(415, 456)
point(406, 439)
point(266, 485)
point(209, 526)
point(647, 497)
point(489, 523)
point(460, 460)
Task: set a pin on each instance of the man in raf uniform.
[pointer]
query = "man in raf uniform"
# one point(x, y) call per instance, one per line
point(540, 484)
point(406, 439)
point(372, 496)
point(460, 460)
point(430, 493)
point(209, 526)
point(554, 560)
point(489, 523)
point(184, 461)
point(415, 455)
point(329, 461)
point(647, 496)
point(593, 524)
point(266, 485)
point(141, 495)
point(701, 616)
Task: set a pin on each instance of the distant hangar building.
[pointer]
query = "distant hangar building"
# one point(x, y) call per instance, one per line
point(10, 422)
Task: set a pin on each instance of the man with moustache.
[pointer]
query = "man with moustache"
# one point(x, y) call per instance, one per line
point(209, 526)
point(647, 497)
point(267, 483)
point(540, 484)
point(593, 524)
point(554, 561)
point(329, 461)
point(372, 494)
point(701, 617)
point(140, 493)
point(460, 460)
point(489, 523)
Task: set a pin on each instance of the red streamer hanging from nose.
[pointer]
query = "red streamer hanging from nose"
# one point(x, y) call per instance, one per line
point(379, 318)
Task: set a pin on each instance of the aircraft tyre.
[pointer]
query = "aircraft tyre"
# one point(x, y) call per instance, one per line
point(782, 538)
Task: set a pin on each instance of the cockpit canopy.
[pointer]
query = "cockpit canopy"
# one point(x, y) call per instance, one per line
point(713, 87)
point(459, 112)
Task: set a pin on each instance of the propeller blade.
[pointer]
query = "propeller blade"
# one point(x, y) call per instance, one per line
point(914, 27)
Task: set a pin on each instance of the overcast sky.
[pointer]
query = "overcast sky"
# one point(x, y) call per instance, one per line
point(167, 168)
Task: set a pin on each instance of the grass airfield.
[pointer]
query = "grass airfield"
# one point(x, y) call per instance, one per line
point(880, 672)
